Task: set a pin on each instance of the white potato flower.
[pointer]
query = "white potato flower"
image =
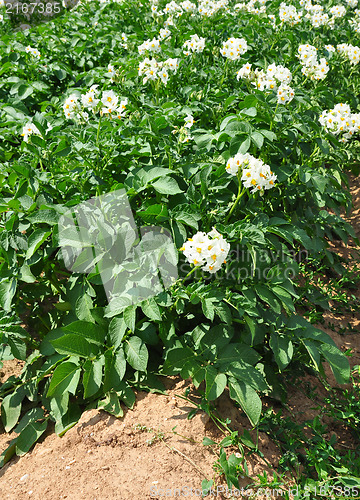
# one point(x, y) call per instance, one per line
point(234, 48)
point(194, 44)
point(208, 251)
point(28, 130)
point(253, 172)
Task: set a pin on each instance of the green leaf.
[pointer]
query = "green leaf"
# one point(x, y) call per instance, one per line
point(24, 91)
point(313, 351)
point(284, 296)
point(247, 398)
point(7, 292)
point(117, 329)
point(68, 420)
point(65, 379)
point(126, 394)
point(338, 362)
point(268, 297)
point(115, 367)
point(208, 308)
point(83, 307)
point(36, 239)
point(11, 409)
point(129, 316)
point(88, 330)
point(8, 453)
point(151, 309)
point(156, 212)
point(28, 436)
point(207, 441)
point(246, 373)
point(136, 353)
point(92, 378)
point(257, 139)
point(111, 404)
point(17, 346)
point(282, 348)
point(32, 415)
point(166, 185)
point(176, 359)
point(72, 344)
point(215, 383)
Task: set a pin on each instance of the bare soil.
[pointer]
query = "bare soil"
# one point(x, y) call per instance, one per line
point(155, 449)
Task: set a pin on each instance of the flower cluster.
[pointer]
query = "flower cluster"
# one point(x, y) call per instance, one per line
point(253, 172)
point(184, 131)
point(111, 71)
point(276, 77)
point(338, 11)
point(355, 24)
point(350, 52)
point(207, 250)
point(195, 44)
point(34, 52)
point(149, 46)
point(311, 67)
point(208, 8)
point(340, 120)
point(152, 69)
point(76, 108)
point(233, 48)
point(316, 15)
point(164, 33)
point(288, 14)
point(30, 129)
point(253, 7)
point(285, 94)
point(124, 39)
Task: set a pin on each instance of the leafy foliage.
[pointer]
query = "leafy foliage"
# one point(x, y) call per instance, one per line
point(238, 328)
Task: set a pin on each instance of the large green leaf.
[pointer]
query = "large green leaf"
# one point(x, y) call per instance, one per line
point(137, 354)
point(65, 379)
point(247, 398)
point(282, 348)
point(338, 362)
point(36, 239)
point(11, 408)
point(75, 345)
point(215, 383)
point(92, 378)
point(88, 330)
point(7, 292)
point(29, 435)
point(166, 185)
point(151, 309)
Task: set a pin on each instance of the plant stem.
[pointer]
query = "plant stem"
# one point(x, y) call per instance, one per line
point(224, 74)
point(272, 121)
point(191, 272)
point(241, 192)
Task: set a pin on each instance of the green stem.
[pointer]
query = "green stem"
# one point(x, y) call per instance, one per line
point(224, 74)
point(241, 192)
point(276, 38)
point(190, 272)
point(98, 132)
point(272, 121)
